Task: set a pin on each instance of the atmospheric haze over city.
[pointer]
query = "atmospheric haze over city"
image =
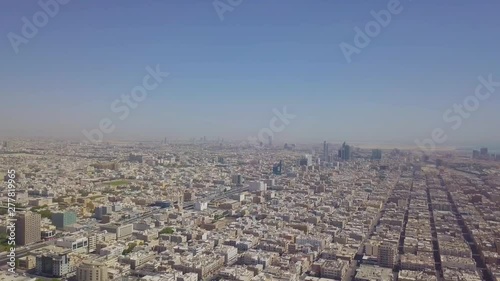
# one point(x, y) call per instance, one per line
point(229, 67)
point(287, 140)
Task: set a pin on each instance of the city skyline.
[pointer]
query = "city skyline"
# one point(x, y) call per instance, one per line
point(226, 76)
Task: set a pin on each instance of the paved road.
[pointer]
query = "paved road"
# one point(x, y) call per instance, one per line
point(22, 251)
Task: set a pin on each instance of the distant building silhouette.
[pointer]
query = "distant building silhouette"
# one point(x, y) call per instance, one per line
point(475, 154)
point(237, 179)
point(345, 152)
point(481, 154)
point(135, 158)
point(221, 160)
point(325, 151)
point(306, 160)
point(278, 168)
point(376, 154)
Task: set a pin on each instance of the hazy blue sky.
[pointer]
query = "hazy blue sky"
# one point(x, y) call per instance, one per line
point(227, 76)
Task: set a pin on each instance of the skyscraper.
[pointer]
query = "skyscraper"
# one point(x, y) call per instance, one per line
point(475, 154)
point(221, 160)
point(270, 141)
point(28, 228)
point(306, 160)
point(278, 168)
point(237, 179)
point(345, 152)
point(484, 152)
point(376, 154)
point(325, 151)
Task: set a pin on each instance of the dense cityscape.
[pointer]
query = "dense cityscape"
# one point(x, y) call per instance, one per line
point(250, 140)
point(216, 210)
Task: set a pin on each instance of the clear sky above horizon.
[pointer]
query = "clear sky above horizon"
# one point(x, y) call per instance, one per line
point(226, 77)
